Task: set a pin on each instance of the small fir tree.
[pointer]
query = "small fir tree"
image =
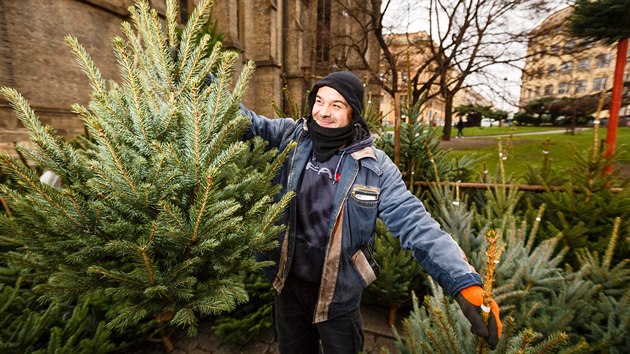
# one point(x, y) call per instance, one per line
point(165, 207)
point(399, 274)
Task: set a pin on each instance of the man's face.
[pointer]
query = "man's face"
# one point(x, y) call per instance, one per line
point(330, 109)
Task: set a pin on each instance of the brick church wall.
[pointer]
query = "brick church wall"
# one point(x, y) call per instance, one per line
point(36, 62)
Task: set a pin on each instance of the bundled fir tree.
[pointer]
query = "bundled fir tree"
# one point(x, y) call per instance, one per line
point(165, 208)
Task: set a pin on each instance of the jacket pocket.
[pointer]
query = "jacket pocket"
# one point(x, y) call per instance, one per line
point(366, 196)
point(362, 210)
point(364, 268)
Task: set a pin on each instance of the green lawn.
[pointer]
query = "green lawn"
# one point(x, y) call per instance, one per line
point(526, 150)
point(479, 131)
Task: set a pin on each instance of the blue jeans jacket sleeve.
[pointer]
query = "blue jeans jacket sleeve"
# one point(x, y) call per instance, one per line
point(407, 218)
point(271, 130)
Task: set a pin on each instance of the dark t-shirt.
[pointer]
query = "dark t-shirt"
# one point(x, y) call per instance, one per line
point(314, 205)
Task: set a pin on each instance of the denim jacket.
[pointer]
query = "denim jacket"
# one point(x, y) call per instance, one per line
point(370, 187)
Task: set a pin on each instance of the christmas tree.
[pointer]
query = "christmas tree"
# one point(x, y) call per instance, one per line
point(545, 307)
point(164, 207)
point(399, 274)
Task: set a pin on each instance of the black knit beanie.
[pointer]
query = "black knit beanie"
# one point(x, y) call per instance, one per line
point(350, 87)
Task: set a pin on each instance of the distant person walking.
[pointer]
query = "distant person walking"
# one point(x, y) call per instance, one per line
point(460, 128)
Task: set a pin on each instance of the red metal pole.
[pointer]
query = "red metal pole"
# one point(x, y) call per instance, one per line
point(615, 102)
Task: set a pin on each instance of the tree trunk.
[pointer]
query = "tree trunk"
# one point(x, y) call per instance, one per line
point(393, 315)
point(448, 117)
point(166, 341)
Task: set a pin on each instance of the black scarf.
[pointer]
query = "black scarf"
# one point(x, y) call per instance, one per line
point(326, 141)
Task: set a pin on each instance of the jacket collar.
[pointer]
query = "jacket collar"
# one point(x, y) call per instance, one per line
point(363, 153)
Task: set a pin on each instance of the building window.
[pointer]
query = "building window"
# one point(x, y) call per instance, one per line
point(566, 67)
point(554, 49)
point(322, 51)
point(537, 91)
point(569, 46)
point(548, 90)
point(563, 88)
point(580, 86)
point(584, 45)
point(603, 60)
point(584, 64)
point(599, 83)
point(556, 31)
point(551, 69)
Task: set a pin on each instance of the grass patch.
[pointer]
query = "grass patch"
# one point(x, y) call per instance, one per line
point(489, 131)
point(527, 150)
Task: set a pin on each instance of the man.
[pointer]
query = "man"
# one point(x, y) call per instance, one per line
point(460, 128)
point(342, 184)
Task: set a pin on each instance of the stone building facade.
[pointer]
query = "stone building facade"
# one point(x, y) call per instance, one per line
point(557, 65)
point(292, 42)
point(35, 61)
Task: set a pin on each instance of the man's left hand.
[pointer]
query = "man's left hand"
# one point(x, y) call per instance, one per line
point(470, 300)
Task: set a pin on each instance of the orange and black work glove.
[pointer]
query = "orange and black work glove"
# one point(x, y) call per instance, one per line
point(470, 300)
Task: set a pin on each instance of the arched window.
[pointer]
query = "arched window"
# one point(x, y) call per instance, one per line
point(322, 49)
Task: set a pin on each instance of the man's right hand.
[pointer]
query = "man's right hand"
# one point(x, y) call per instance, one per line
point(470, 300)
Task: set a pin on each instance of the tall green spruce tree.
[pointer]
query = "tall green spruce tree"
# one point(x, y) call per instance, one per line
point(165, 208)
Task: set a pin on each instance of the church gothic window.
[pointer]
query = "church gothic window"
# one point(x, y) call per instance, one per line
point(322, 50)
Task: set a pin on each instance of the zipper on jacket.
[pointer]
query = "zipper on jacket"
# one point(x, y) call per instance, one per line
point(291, 171)
point(321, 283)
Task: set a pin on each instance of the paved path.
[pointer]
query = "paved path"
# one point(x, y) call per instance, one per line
point(542, 132)
point(378, 336)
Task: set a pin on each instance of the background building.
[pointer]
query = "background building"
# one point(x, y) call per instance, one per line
point(292, 42)
point(557, 65)
point(412, 51)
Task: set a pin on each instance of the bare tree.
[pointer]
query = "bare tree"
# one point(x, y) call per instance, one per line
point(467, 39)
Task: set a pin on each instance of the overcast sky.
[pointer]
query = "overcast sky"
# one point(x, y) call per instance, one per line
point(412, 16)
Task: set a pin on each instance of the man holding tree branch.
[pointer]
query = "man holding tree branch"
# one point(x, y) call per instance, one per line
point(342, 185)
